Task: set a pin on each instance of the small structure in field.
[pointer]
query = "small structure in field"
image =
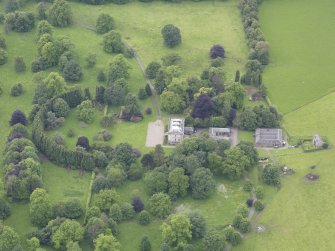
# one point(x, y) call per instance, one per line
point(269, 137)
point(176, 131)
point(219, 133)
point(317, 141)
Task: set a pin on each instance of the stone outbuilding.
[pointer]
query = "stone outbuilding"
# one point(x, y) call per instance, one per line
point(219, 133)
point(269, 137)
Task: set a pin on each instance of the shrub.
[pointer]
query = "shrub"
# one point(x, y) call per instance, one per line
point(59, 139)
point(116, 176)
point(83, 142)
point(217, 51)
point(73, 209)
point(86, 111)
point(91, 59)
point(19, 64)
point(148, 90)
point(148, 111)
point(218, 62)
point(16, 90)
point(70, 133)
point(145, 244)
point(259, 192)
point(101, 77)
point(144, 218)
point(4, 209)
point(18, 117)
point(137, 204)
point(247, 186)
point(72, 71)
point(103, 135)
point(60, 14)
point(112, 42)
point(171, 35)
point(60, 107)
point(107, 121)
point(127, 211)
point(20, 21)
point(171, 59)
point(160, 205)
point(259, 206)
point(271, 175)
point(115, 213)
point(249, 202)
point(242, 210)
point(142, 94)
point(104, 23)
point(152, 69)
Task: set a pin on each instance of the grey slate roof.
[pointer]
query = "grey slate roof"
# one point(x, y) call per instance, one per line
point(268, 137)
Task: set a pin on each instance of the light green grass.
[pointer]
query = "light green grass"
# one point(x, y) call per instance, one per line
point(245, 136)
point(298, 216)
point(301, 40)
point(202, 24)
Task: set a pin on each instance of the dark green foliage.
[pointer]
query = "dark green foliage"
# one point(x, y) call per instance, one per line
point(237, 76)
point(248, 119)
point(171, 59)
point(100, 183)
point(40, 207)
point(160, 205)
point(44, 27)
point(52, 122)
point(217, 51)
point(94, 227)
point(145, 244)
point(247, 186)
point(259, 206)
point(42, 11)
point(202, 183)
point(60, 107)
point(271, 175)
point(3, 56)
point(104, 23)
point(171, 35)
point(137, 204)
point(198, 225)
point(72, 71)
point(4, 209)
point(107, 121)
point(214, 240)
point(60, 14)
point(127, 211)
point(241, 223)
point(148, 90)
point(259, 192)
point(19, 64)
point(91, 60)
point(99, 94)
point(18, 117)
point(144, 217)
point(203, 107)
point(123, 153)
point(115, 213)
point(86, 111)
point(20, 21)
point(156, 182)
point(12, 5)
point(152, 69)
point(9, 239)
point(142, 94)
point(101, 77)
point(112, 42)
point(250, 152)
point(16, 90)
point(2, 42)
point(83, 142)
point(73, 209)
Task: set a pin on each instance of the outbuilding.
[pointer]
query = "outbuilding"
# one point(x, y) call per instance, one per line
point(269, 137)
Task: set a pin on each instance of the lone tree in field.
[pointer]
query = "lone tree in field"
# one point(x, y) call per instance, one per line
point(217, 51)
point(19, 64)
point(171, 35)
point(104, 23)
point(18, 117)
point(60, 14)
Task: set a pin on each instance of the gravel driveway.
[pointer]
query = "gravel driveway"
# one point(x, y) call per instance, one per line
point(155, 134)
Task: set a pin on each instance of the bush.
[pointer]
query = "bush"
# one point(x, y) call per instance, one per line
point(104, 23)
point(3, 56)
point(144, 218)
point(101, 77)
point(116, 176)
point(103, 135)
point(152, 69)
point(171, 59)
point(83, 142)
point(16, 90)
point(73, 209)
point(91, 59)
point(18, 117)
point(160, 205)
point(142, 94)
point(137, 204)
point(247, 186)
point(171, 35)
point(271, 175)
point(217, 51)
point(259, 206)
point(242, 210)
point(112, 42)
point(115, 213)
point(148, 111)
point(86, 111)
point(70, 133)
point(20, 21)
point(60, 107)
point(60, 14)
point(72, 71)
point(19, 64)
point(259, 192)
point(249, 202)
point(145, 244)
point(4, 209)
point(127, 211)
point(107, 121)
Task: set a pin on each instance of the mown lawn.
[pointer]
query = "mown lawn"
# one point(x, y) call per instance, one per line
point(301, 38)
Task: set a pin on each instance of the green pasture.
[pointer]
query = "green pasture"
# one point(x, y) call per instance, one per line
point(301, 39)
point(298, 216)
point(202, 24)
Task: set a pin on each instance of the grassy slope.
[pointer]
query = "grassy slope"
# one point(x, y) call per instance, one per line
point(301, 39)
point(202, 24)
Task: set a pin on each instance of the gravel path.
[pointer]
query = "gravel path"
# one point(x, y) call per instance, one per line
point(155, 134)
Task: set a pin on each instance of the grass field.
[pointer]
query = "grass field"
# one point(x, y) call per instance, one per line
point(301, 39)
